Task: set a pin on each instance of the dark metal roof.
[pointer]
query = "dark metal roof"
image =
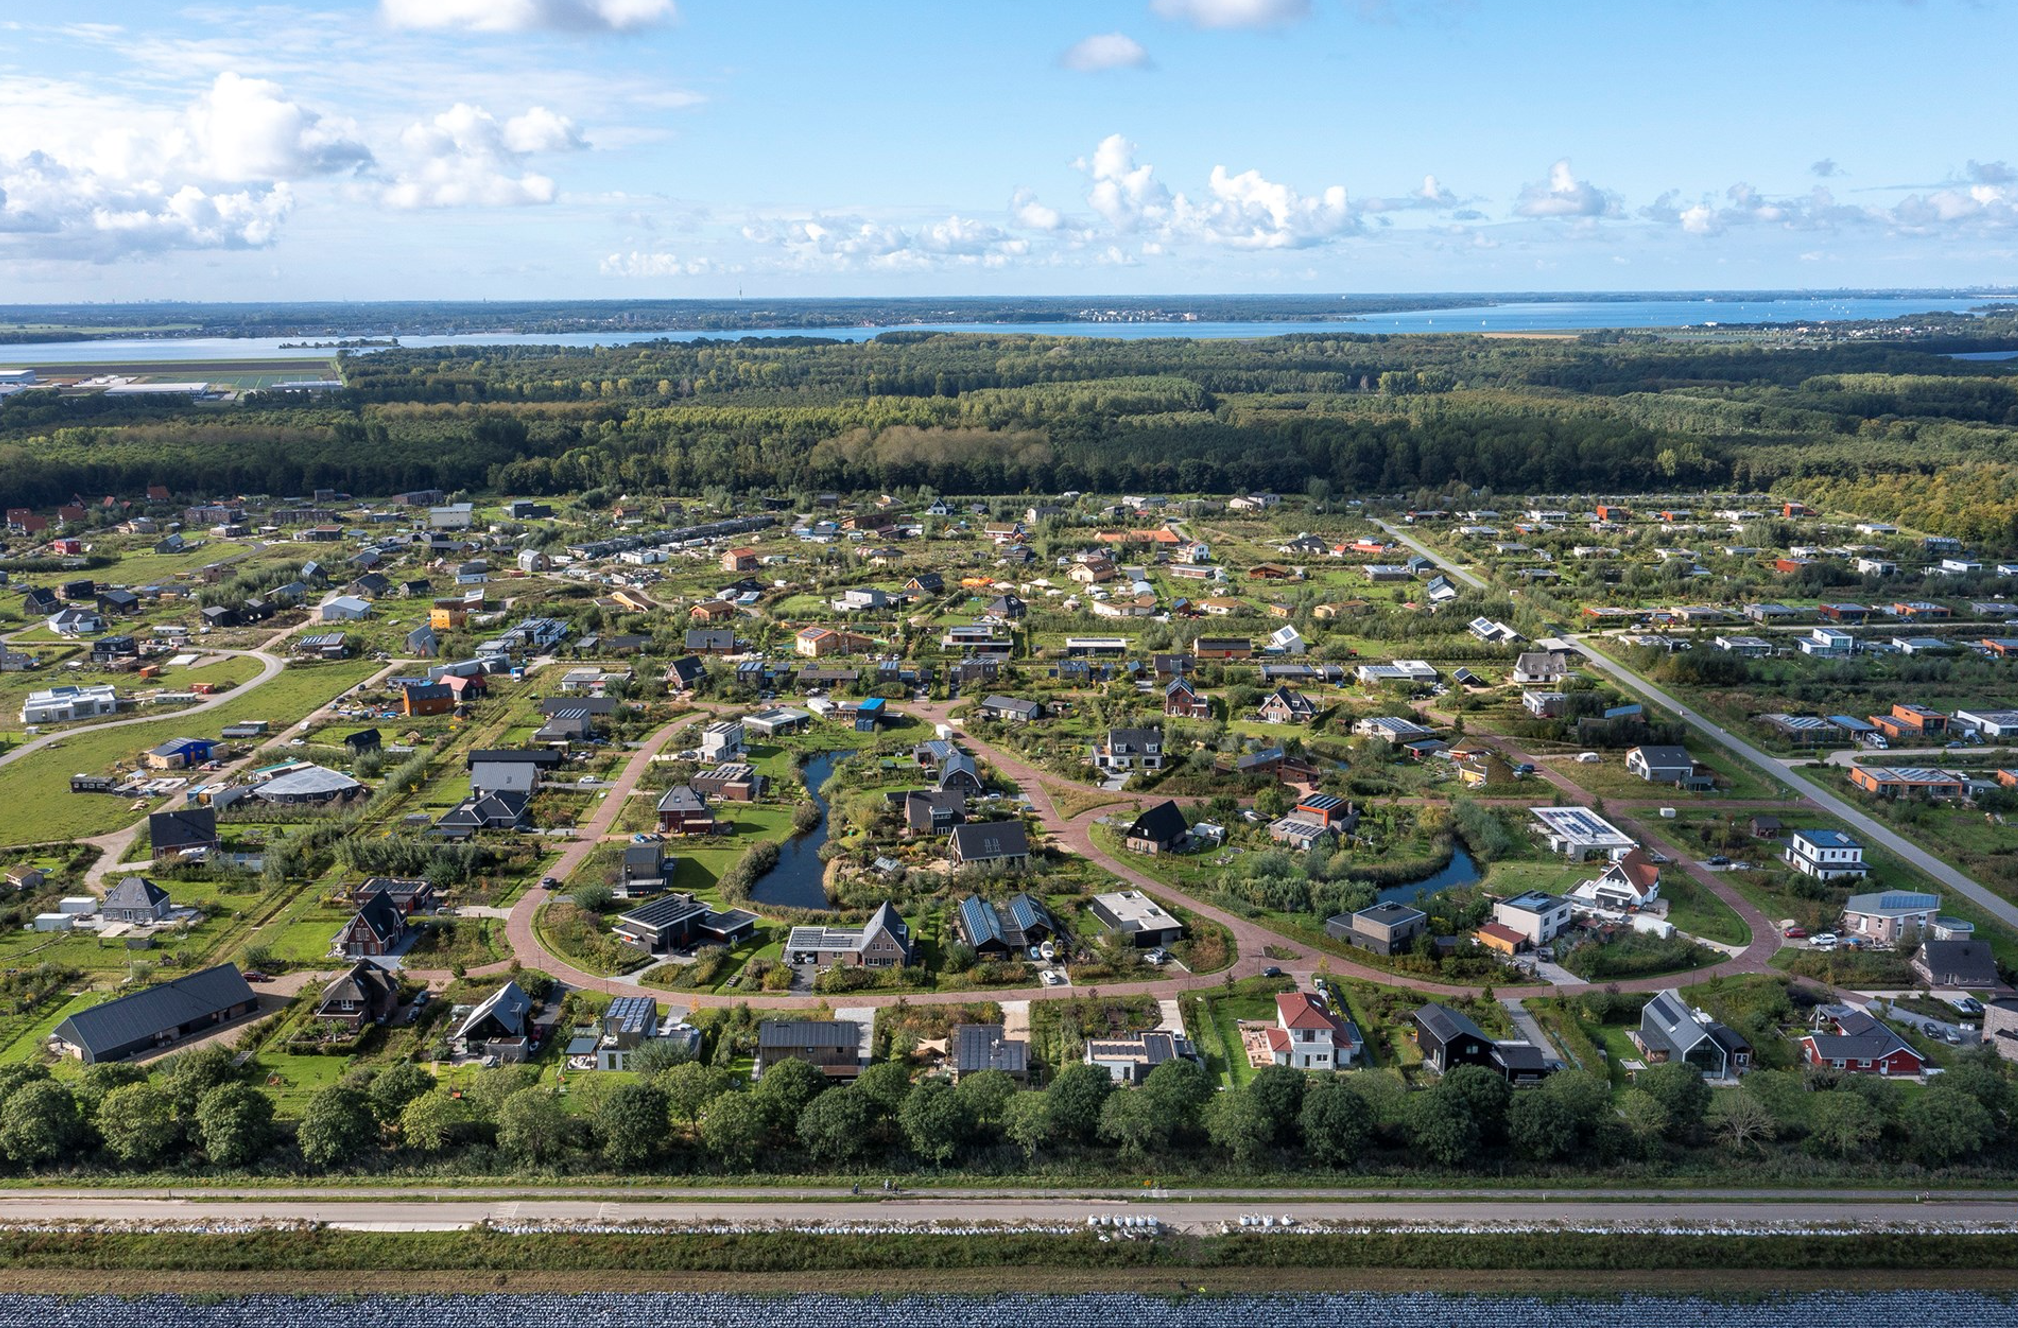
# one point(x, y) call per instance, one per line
point(152, 1011)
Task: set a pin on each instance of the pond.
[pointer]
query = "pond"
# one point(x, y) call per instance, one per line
point(799, 879)
point(1461, 870)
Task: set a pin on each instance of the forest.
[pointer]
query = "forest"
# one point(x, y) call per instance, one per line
point(1899, 430)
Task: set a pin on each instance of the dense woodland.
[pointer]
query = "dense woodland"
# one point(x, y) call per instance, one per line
point(1894, 429)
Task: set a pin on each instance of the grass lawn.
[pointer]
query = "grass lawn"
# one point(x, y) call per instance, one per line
point(291, 1080)
point(27, 1044)
point(1071, 801)
point(40, 806)
point(1225, 1014)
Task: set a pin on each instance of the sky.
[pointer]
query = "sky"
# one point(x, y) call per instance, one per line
point(597, 149)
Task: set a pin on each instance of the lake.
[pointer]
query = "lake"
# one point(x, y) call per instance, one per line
point(1528, 316)
point(1462, 869)
point(799, 879)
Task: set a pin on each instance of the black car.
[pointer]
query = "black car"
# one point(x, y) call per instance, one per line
point(1271, 972)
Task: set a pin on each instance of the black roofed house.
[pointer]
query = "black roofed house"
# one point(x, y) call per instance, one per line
point(182, 831)
point(1012, 709)
point(563, 727)
point(362, 741)
point(136, 900)
point(499, 1025)
point(1956, 964)
point(705, 641)
point(1182, 701)
point(1286, 706)
point(733, 781)
point(1159, 829)
point(375, 929)
point(156, 1017)
point(995, 843)
point(422, 643)
point(544, 758)
point(1130, 749)
point(408, 894)
point(1448, 1039)
point(499, 810)
point(683, 673)
point(683, 811)
point(114, 599)
point(1005, 930)
point(831, 1046)
point(681, 922)
point(958, 773)
point(933, 811)
point(973, 1048)
point(926, 583)
point(642, 870)
point(220, 615)
point(367, 994)
point(1006, 608)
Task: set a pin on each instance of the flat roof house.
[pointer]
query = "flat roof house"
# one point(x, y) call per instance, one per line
point(1135, 915)
point(156, 1017)
point(1887, 915)
point(681, 922)
point(1578, 832)
point(1128, 1060)
point(1385, 928)
point(1539, 917)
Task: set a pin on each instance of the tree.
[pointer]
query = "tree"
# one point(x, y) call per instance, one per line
point(533, 1126)
point(1241, 1124)
point(1645, 1117)
point(98, 1080)
point(1842, 1125)
point(1180, 1089)
point(17, 1076)
point(1336, 1122)
point(885, 1084)
point(1136, 1122)
point(336, 1127)
point(1278, 1092)
point(656, 1055)
point(987, 1094)
point(631, 1122)
point(1541, 1127)
point(785, 1090)
point(40, 1123)
point(593, 898)
point(1385, 1095)
point(936, 1120)
point(431, 1121)
point(839, 1125)
point(235, 1123)
point(138, 1124)
point(1487, 1095)
point(734, 1127)
point(397, 1085)
point(1943, 1124)
point(692, 1088)
point(1028, 1122)
point(1742, 1121)
point(487, 1090)
point(1441, 1128)
point(188, 1075)
point(1078, 1096)
point(1587, 1097)
point(1679, 1088)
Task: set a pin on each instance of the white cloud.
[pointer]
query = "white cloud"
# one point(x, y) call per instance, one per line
point(643, 264)
point(245, 129)
point(49, 210)
point(528, 15)
point(1432, 196)
point(1247, 211)
point(1563, 195)
point(1232, 13)
point(1032, 215)
point(1104, 51)
point(852, 242)
point(1127, 195)
point(465, 157)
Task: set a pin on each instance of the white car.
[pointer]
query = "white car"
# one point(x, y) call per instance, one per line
point(1051, 977)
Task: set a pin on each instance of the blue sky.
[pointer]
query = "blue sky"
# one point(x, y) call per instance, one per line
point(619, 148)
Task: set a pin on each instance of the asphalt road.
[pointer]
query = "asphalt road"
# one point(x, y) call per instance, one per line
point(1872, 830)
point(1200, 1214)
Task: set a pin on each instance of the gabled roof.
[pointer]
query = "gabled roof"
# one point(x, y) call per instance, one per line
point(1446, 1024)
point(365, 984)
point(1300, 1009)
point(508, 1005)
point(990, 840)
point(1160, 824)
point(381, 917)
point(152, 1011)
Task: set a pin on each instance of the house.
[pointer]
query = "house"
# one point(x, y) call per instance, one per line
point(626, 1023)
point(958, 773)
point(1851, 1039)
point(933, 811)
point(408, 894)
point(1824, 854)
point(25, 877)
point(1390, 728)
point(1135, 915)
point(831, 1046)
point(1448, 1039)
point(739, 560)
point(76, 622)
point(1957, 964)
point(1011, 709)
point(1299, 831)
point(1222, 647)
point(1499, 937)
point(1907, 782)
point(1159, 829)
point(1287, 706)
point(682, 811)
point(1541, 667)
point(427, 698)
point(1545, 705)
point(884, 941)
point(684, 674)
point(731, 781)
point(1129, 1060)
point(1307, 1036)
point(819, 642)
point(1539, 917)
point(1887, 916)
point(682, 922)
point(1669, 765)
point(366, 994)
point(343, 608)
point(1130, 749)
point(362, 741)
point(972, 1048)
point(1909, 723)
point(138, 901)
point(1006, 930)
point(156, 1017)
point(497, 810)
point(642, 870)
point(703, 641)
point(499, 1025)
point(1671, 1031)
point(722, 741)
point(1630, 882)
point(992, 843)
point(182, 831)
point(180, 753)
point(1577, 832)
point(57, 705)
point(1387, 928)
point(1182, 701)
point(1826, 643)
point(375, 929)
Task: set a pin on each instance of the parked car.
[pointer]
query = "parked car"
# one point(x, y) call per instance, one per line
point(1271, 972)
point(1795, 934)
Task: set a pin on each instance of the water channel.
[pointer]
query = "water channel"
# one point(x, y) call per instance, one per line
point(799, 879)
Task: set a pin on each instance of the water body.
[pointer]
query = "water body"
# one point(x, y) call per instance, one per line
point(1537, 316)
point(1461, 870)
point(1984, 355)
point(798, 881)
point(1420, 1309)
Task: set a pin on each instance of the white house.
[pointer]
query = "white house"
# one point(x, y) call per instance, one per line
point(60, 704)
point(1633, 881)
point(1537, 916)
point(1825, 854)
point(344, 608)
point(722, 741)
point(1307, 1036)
point(1827, 643)
point(1287, 640)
